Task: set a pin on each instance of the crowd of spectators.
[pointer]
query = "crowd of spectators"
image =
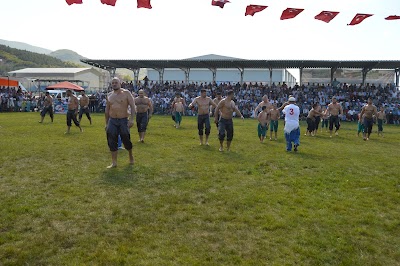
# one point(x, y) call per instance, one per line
point(247, 96)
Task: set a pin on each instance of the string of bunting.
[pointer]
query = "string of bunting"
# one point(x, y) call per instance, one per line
point(251, 10)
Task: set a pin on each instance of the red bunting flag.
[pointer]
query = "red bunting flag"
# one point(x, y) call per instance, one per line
point(392, 17)
point(144, 4)
point(290, 13)
point(252, 9)
point(70, 2)
point(326, 16)
point(219, 3)
point(109, 2)
point(358, 19)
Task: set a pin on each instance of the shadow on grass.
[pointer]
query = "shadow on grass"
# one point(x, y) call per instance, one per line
point(128, 175)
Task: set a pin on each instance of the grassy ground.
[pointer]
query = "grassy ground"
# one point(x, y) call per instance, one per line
point(335, 202)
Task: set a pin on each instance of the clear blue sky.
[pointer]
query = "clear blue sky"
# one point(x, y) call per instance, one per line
point(176, 29)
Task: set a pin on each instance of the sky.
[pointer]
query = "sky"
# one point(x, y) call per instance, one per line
point(178, 29)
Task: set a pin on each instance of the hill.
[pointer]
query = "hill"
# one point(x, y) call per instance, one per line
point(68, 56)
point(14, 59)
point(25, 46)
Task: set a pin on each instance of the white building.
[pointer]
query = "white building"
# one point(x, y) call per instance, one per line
point(88, 78)
point(224, 75)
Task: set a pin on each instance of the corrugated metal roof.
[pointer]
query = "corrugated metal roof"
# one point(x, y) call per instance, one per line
point(242, 63)
point(49, 70)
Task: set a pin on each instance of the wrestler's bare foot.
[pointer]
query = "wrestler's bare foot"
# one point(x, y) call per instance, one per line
point(207, 144)
point(221, 149)
point(111, 166)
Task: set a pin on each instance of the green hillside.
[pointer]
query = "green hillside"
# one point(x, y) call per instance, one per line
point(13, 59)
point(68, 56)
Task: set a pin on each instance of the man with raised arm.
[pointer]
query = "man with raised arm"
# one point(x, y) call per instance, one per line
point(334, 109)
point(226, 107)
point(144, 111)
point(116, 118)
point(265, 102)
point(203, 117)
point(368, 112)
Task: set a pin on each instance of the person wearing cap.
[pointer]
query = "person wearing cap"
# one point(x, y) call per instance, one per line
point(292, 125)
point(334, 109)
point(226, 106)
point(48, 107)
point(203, 117)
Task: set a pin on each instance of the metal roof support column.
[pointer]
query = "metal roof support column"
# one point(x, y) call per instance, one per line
point(160, 74)
point(214, 72)
point(241, 75)
point(301, 76)
point(136, 75)
point(333, 70)
point(187, 74)
point(397, 75)
point(270, 77)
point(364, 75)
point(112, 72)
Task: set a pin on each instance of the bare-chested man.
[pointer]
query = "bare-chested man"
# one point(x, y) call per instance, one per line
point(381, 117)
point(265, 102)
point(262, 123)
point(274, 114)
point(116, 118)
point(325, 119)
point(178, 108)
point(334, 109)
point(216, 100)
point(318, 109)
point(73, 105)
point(144, 111)
point(311, 120)
point(367, 112)
point(226, 106)
point(84, 104)
point(203, 117)
point(48, 107)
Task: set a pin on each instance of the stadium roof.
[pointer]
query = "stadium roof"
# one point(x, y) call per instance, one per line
point(240, 63)
point(72, 70)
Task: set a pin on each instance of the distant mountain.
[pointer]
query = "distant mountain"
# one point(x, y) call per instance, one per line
point(68, 56)
point(25, 46)
point(13, 59)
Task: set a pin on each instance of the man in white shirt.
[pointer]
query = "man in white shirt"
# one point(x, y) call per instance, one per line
point(292, 126)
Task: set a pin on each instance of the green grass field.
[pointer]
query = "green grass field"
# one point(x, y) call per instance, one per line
point(335, 202)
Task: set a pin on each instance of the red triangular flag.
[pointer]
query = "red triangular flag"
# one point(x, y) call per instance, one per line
point(290, 13)
point(109, 2)
point(70, 2)
point(392, 17)
point(219, 3)
point(252, 9)
point(326, 16)
point(358, 19)
point(144, 4)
